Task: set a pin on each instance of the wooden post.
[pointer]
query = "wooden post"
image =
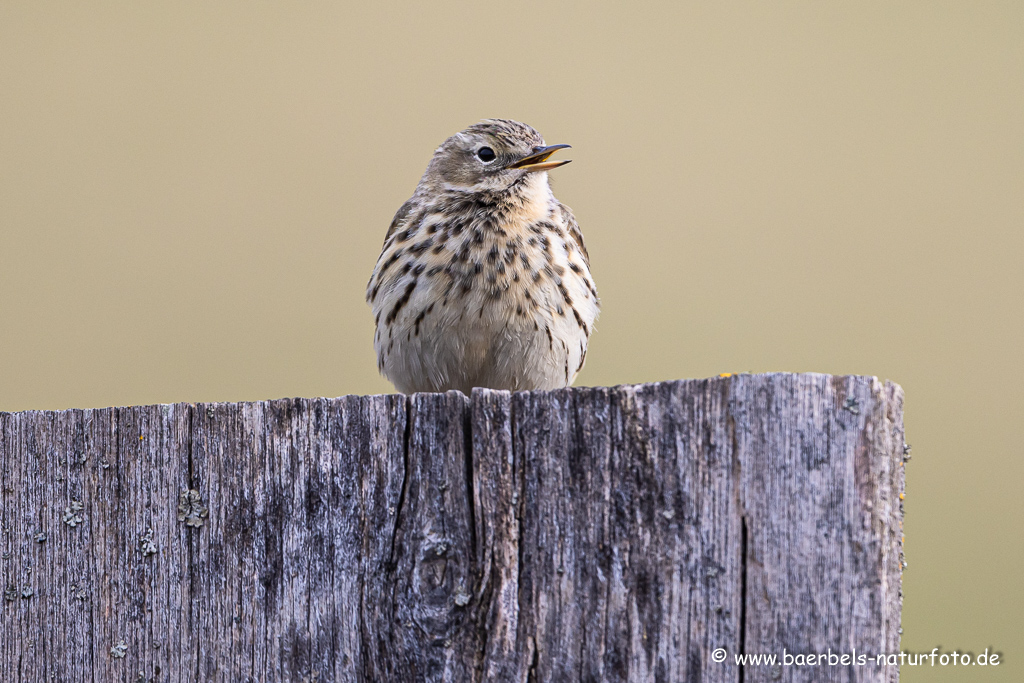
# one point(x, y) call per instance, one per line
point(605, 534)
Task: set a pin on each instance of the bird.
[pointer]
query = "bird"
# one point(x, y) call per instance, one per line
point(484, 279)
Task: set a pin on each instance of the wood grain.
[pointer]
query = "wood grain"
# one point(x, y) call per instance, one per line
point(592, 534)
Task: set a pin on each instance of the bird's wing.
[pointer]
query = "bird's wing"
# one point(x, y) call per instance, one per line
point(401, 216)
point(574, 232)
point(396, 222)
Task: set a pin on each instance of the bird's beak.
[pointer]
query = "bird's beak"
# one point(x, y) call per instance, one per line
point(537, 161)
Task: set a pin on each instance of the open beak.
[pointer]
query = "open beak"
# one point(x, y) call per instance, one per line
point(538, 160)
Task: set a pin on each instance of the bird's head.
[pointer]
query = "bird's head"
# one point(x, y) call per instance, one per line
point(492, 155)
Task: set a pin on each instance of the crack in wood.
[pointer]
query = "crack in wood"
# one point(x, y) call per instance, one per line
point(743, 598)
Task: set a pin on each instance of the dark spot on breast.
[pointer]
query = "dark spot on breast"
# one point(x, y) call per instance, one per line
point(492, 255)
point(421, 247)
point(579, 321)
point(434, 270)
point(565, 294)
point(397, 254)
point(402, 301)
point(574, 268)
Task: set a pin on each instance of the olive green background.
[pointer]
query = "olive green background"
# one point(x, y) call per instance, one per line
point(193, 194)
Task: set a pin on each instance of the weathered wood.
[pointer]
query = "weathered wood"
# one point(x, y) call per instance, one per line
point(606, 534)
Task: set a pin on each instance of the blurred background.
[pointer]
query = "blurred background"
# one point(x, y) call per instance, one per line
point(193, 195)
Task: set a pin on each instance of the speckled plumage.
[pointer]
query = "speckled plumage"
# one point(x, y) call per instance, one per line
point(483, 280)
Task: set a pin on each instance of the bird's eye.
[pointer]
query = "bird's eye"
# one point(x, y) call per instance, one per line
point(486, 154)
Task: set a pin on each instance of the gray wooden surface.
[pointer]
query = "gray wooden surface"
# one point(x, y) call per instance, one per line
point(605, 534)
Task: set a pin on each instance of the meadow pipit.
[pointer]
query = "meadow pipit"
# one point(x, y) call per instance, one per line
point(484, 280)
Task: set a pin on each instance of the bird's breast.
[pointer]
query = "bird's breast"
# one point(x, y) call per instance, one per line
point(483, 283)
